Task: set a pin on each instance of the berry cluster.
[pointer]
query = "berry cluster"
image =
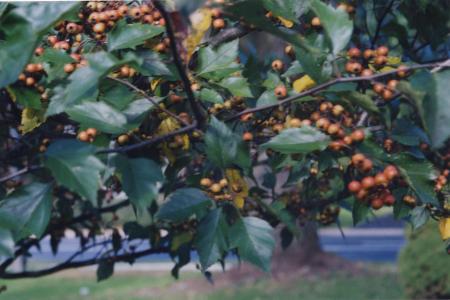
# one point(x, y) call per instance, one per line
point(373, 189)
point(87, 135)
point(218, 190)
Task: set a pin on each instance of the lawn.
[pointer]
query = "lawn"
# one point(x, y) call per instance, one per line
point(144, 285)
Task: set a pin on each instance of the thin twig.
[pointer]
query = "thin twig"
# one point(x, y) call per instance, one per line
point(152, 141)
point(127, 257)
point(19, 173)
point(197, 110)
point(155, 103)
point(380, 22)
point(320, 87)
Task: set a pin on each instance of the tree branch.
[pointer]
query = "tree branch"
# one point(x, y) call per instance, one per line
point(198, 112)
point(155, 103)
point(228, 35)
point(127, 257)
point(320, 87)
point(380, 22)
point(19, 173)
point(155, 140)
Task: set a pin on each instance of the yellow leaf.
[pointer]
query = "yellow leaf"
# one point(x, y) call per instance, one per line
point(386, 69)
point(239, 202)
point(181, 239)
point(238, 186)
point(286, 23)
point(31, 119)
point(444, 228)
point(394, 60)
point(168, 125)
point(168, 153)
point(303, 83)
point(201, 21)
point(186, 142)
point(154, 84)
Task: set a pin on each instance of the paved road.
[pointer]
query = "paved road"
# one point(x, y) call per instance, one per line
point(359, 244)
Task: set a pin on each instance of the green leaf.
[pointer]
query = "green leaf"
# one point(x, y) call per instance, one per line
point(289, 9)
point(222, 59)
point(154, 64)
point(362, 100)
point(22, 28)
point(74, 165)
point(27, 210)
point(419, 217)
point(359, 212)
point(125, 35)
point(254, 241)
point(116, 94)
point(105, 269)
point(267, 98)
point(139, 179)
point(298, 140)
point(336, 23)
point(209, 95)
point(420, 175)
point(83, 83)
point(210, 240)
point(98, 115)
point(54, 61)
point(136, 112)
point(225, 148)
point(182, 204)
point(6, 242)
point(253, 12)
point(26, 96)
point(430, 95)
point(238, 86)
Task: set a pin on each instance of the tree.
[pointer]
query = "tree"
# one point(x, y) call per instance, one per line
point(109, 107)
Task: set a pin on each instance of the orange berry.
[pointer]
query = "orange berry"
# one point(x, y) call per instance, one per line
point(382, 51)
point(295, 122)
point(206, 182)
point(358, 159)
point(389, 200)
point(83, 136)
point(368, 182)
point(135, 13)
point(69, 68)
point(280, 91)
point(219, 24)
point(354, 186)
point(30, 81)
point(377, 203)
point(358, 135)
point(368, 54)
point(366, 72)
point(315, 22)
point(380, 179)
point(378, 88)
point(277, 65)
point(92, 132)
point(354, 52)
point(99, 27)
point(123, 139)
point(367, 165)
point(247, 136)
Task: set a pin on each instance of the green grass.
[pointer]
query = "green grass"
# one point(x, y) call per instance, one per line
point(142, 285)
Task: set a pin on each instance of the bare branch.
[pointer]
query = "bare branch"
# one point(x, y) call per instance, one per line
point(320, 87)
point(155, 140)
point(197, 109)
point(19, 173)
point(127, 257)
point(155, 103)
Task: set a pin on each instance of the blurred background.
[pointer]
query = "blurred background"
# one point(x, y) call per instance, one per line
point(378, 259)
